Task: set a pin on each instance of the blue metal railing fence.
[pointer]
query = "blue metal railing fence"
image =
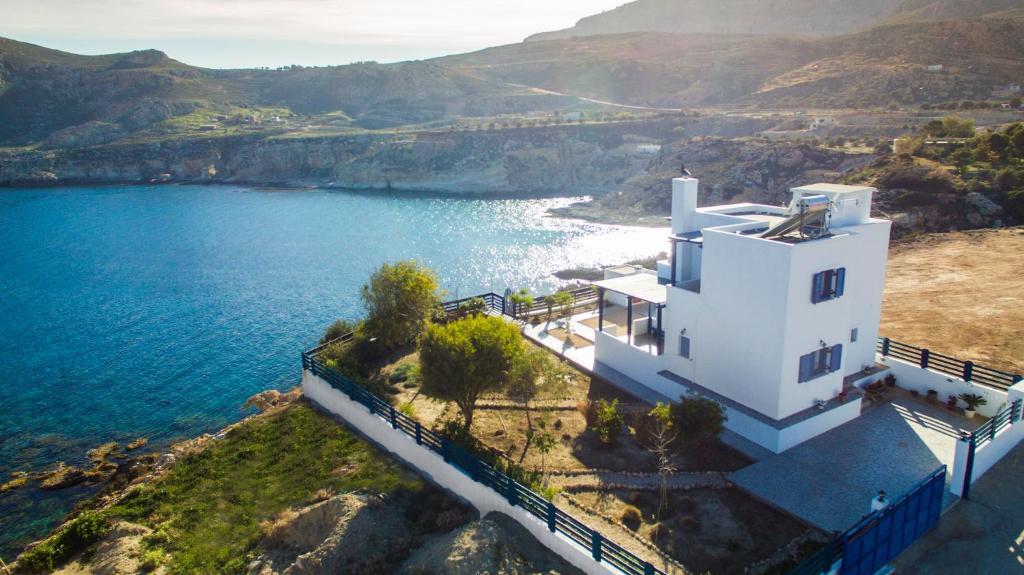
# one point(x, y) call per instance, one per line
point(965, 370)
point(557, 520)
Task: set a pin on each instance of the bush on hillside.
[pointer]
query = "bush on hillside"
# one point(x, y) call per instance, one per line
point(631, 517)
point(76, 536)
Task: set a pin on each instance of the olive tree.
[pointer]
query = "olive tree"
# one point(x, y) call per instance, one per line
point(462, 360)
point(400, 298)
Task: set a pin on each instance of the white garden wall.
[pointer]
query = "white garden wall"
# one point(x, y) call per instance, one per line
point(911, 376)
point(991, 452)
point(433, 466)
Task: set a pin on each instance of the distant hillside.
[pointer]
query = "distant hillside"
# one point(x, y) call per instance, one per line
point(772, 17)
point(101, 98)
point(881, 66)
point(56, 100)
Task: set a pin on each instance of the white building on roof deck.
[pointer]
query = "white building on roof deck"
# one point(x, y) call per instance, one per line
point(771, 311)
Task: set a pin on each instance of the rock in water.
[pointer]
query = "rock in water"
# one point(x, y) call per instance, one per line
point(137, 443)
point(62, 477)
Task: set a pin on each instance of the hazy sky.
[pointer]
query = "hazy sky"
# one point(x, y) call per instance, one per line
point(245, 33)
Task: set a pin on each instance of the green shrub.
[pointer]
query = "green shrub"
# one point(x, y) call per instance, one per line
point(1006, 180)
point(338, 329)
point(1015, 205)
point(631, 517)
point(80, 533)
point(608, 421)
point(403, 372)
point(151, 559)
point(698, 419)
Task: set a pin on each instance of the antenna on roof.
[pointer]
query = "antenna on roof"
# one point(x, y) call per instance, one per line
point(685, 171)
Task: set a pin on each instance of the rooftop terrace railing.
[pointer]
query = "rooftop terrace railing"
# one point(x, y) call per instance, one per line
point(1005, 417)
point(965, 370)
point(558, 521)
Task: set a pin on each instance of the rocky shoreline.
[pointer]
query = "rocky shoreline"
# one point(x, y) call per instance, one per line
point(424, 530)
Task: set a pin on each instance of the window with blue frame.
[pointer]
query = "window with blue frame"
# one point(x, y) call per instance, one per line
point(828, 284)
point(684, 346)
point(820, 362)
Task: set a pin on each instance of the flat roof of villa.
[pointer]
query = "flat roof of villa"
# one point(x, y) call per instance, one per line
point(641, 286)
point(833, 188)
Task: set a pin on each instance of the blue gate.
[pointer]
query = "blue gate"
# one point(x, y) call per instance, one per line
point(878, 538)
point(881, 536)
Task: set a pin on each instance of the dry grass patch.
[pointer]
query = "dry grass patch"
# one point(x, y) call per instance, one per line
point(959, 294)
point(707, 530)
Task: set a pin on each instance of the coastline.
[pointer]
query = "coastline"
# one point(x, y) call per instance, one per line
point(582, 208)
point(133, 470)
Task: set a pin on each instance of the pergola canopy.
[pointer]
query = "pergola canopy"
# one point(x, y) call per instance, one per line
point(642, 286)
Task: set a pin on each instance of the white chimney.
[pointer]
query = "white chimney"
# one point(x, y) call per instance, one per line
point(684, 204)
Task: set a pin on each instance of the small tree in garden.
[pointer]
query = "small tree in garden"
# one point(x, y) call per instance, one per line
point(464, 359)
point(660, 442)
point(533, 373)
point(550, 301)
point(697, 419)
point(400, 298)
point(520, 301)
point(565, 302)
point(544, 442)
point(608, 421)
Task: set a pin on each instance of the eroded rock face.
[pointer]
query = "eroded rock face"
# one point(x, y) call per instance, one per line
point(343, 534)
point(118, 553)
point(496, 545)
point(577, 160)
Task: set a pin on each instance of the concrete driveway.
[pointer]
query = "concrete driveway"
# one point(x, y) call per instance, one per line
point(983, 534)
point(830, 480)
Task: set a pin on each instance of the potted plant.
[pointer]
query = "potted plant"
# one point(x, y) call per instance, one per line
point(933, 396)
point(973, 401)
point(890, 380)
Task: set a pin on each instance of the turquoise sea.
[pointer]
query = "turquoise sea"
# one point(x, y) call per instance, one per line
point(155, 311)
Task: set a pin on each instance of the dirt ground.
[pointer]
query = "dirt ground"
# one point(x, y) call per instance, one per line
point(501, 425)
point(959, 294)
point(562, 335)
point(707, 530)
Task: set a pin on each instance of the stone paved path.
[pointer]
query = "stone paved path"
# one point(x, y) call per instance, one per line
point(604, 479)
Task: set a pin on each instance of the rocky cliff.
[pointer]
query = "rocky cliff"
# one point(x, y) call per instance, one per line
point(569, 160)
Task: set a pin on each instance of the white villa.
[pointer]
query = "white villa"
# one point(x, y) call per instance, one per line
point(772, 311)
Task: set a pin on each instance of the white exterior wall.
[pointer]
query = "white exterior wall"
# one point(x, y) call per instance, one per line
point(989, 454)
point(754, 318)
point(636, 363)
point(735, 322)
point(862, 250)
point(433, 465)
point(911, 376)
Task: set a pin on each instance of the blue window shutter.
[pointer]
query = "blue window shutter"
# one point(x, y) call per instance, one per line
point(840, 281)
point(806, 367)
point(816, 287)
point(684, 346)
point(836, 357)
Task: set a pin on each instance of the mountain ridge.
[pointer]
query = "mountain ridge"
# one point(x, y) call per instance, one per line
point(770, 17)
